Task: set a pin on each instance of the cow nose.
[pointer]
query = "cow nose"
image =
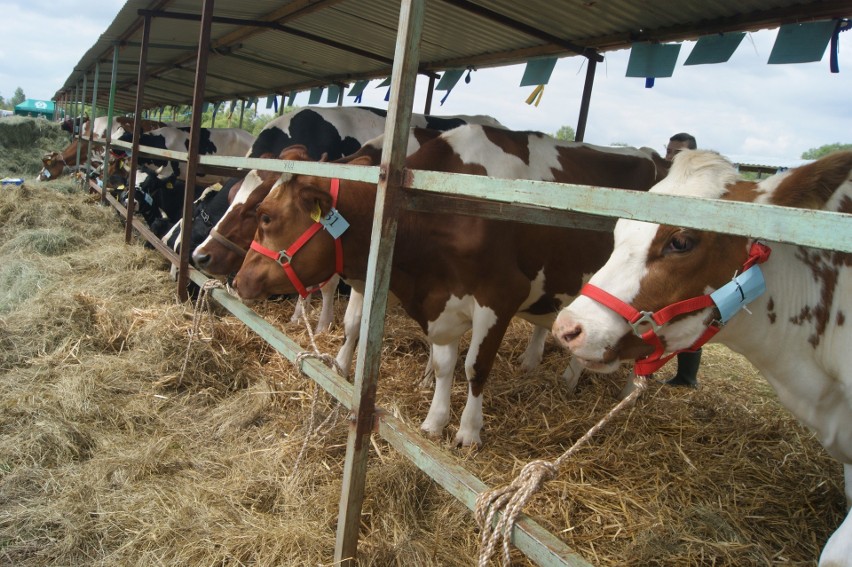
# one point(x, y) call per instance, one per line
point(567, 331)
point(201, 259)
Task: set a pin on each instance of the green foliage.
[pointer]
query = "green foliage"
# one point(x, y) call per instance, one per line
point(17, 98)
point(816, 153)
point(565, 133)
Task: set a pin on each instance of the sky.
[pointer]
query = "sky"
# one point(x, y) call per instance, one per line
point(748, 110)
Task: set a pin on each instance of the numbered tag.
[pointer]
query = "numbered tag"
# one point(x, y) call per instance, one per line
point(334, 223)
point(45, 174)
point(149, 199)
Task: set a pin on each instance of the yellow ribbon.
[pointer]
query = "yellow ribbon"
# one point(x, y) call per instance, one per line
point(535, 96)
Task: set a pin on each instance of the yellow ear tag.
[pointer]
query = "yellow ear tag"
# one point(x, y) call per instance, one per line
point(316, 214)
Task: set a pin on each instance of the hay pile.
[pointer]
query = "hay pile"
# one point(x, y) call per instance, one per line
point(23, 140)
point(112, 454)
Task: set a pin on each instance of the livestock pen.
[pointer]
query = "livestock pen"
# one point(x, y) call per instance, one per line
point(529, 201)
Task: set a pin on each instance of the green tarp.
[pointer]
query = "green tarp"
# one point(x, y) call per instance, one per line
point(33, 107)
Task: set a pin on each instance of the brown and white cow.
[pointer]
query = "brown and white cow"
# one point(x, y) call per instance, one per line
point(451, 273)
point(797, 333)
point(56, 163)
point(334, 132)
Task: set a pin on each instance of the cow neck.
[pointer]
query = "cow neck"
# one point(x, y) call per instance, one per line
point(646, 366)
point(284, 258)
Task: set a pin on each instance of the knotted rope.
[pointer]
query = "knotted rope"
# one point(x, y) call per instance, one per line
point(325, 427)
point(512, 498)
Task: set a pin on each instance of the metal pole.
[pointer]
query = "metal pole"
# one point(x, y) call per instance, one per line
point(387, 211)
point(591, 65)
point(91, 150)
point(242, 111)
point(81, 139)
point(194, 144)
point(429, 92)
point(340, 96)
point(137, 126)
point(110, 117)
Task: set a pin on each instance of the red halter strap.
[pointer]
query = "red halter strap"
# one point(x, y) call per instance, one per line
point(285, 257)
point(758, 254)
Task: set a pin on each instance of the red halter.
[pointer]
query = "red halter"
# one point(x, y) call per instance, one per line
point(758, 254)
point(285, 257)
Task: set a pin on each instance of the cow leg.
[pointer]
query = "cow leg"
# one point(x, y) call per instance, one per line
point(351, 331)
point(571, 375)
point(838, 549)
point(428, 378)
point(326, 317)
point(486, 338)
point(444, 359)
point(535, 350)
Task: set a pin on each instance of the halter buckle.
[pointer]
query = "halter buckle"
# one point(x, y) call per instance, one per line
point(646, 317)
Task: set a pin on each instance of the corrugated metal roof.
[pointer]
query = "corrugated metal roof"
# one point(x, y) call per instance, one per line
point(321, 42)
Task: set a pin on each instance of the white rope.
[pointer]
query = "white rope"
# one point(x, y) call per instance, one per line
point(202, 304)
point(324, 428)
point(512, 498)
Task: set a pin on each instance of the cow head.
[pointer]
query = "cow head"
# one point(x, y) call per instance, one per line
point(222, 252)
point(54, 166)
point(291, 252)
point(654, 266)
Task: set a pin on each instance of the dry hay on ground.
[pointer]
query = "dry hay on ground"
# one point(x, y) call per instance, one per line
point(112, 452)
point(23, 141)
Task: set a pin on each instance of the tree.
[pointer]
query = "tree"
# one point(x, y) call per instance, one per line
point(816, 153)
point(565, 133)
point(18, 97)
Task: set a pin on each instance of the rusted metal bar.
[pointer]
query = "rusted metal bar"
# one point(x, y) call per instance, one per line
point(194, 144)
point(137, 128)
point(110, 117)
point(82, 106)
point(430, 90)
point(90, 150)
point(387, 211)
point(585, 102)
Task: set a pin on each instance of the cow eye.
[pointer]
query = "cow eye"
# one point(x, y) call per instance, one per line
point(680, 243)
point(265, 219)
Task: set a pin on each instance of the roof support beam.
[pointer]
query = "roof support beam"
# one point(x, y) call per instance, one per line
point(194, 144)
point(137, 129)
point(273, 26)
point(531, 31)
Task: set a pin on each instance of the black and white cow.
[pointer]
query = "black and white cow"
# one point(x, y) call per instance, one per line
point(214, 141)
point(207, 209)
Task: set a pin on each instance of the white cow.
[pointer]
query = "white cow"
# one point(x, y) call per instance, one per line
point(798, 333)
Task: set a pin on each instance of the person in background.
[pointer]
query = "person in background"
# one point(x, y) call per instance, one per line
point(678, 143)
point(687, 362)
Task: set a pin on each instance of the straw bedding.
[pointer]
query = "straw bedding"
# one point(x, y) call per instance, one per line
point(112, 452)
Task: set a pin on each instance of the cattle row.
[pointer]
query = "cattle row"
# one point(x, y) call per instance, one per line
point(640, 294)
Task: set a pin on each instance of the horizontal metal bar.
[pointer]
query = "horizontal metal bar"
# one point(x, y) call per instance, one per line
point(367, 174)
point(820, 229)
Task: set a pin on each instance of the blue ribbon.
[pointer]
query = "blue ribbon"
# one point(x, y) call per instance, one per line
point(445, 96)
point(358, 98)
point(387, 95)
point(649, 82)
point(842, 25)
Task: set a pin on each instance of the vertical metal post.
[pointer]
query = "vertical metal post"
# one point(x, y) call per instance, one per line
point(242, 111)
point(137, 126)
point(429, 92)
point(91, 149)
point(580, 133)
point(340, 96)
point(80, 140)
point(387, 209)
point(110, 117)
point(194, 144)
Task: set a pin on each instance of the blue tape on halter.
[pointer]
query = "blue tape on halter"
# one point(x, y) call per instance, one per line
point(739, 292)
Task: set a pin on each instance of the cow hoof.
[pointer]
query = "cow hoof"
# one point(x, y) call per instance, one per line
point(468, 439)
point(431, 431)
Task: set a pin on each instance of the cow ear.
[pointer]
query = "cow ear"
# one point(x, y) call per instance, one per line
point(295, 153)
point(312, 198)
point(361, 160)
